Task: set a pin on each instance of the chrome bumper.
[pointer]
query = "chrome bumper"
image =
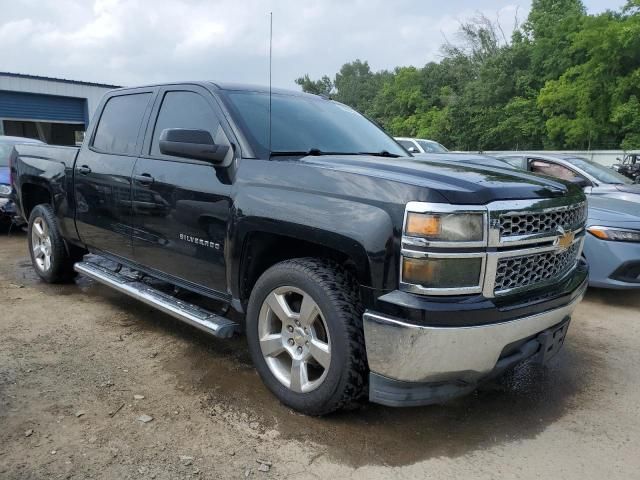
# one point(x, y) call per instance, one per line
point(413, 353)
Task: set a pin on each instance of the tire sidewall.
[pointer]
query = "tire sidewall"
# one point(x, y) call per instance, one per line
point(330, 391)
point(55, 272)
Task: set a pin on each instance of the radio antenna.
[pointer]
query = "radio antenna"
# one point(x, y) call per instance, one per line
point(270, 62)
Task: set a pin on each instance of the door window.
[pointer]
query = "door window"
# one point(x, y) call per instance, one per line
point(554, 170)
point(119, 124)
point(409, 145)
point(182, 109)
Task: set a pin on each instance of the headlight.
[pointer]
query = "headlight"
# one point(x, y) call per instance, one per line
point(615, 234)
point(443, 272)
point(5, 189)
point(446, 227)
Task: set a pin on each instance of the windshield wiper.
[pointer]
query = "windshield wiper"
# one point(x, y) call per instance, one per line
point(311, 152)
point(381, 153)
point(317, 152)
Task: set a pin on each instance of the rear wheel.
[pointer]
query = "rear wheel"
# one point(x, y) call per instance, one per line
point(304, 328)
point(49, 255)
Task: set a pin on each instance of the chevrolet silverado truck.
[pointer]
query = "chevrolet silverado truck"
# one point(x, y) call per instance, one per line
point(354, 269)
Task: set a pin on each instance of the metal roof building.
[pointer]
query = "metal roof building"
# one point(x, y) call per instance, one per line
point(54, 110)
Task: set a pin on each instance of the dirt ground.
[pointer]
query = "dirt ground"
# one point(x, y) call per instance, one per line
point(72, 358)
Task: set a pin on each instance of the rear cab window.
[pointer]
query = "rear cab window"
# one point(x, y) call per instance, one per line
point(120, 123)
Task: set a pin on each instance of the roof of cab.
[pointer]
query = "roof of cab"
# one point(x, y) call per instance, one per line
point(229, 87)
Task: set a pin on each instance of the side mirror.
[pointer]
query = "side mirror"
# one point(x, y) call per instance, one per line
point(190, 143)
point(413, 150)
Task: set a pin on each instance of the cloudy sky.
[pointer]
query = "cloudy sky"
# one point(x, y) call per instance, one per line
point(128, 42)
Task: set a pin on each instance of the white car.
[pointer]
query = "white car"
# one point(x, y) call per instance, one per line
point(421, 145)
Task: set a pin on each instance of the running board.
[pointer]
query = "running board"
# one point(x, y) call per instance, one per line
point(187, 312)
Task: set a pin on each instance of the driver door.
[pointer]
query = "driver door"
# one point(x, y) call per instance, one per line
point(182, 206)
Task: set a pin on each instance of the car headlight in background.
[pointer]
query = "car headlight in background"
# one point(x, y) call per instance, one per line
point(443, 272)
point(5, 189)
point(615, 234)
point(446, 227)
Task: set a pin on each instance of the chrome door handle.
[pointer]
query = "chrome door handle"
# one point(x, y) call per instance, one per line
point(84, 170)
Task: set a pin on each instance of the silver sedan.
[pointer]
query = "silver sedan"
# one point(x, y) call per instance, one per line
point(597, 179)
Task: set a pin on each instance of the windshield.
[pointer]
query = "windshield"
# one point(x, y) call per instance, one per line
point(305, 123)
point(430, 146)
point(599, 172)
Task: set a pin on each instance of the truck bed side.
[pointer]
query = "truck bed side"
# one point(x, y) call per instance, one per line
point(44, 174)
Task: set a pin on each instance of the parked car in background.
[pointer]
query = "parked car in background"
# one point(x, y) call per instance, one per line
point(8, 213)
point(629, 166)
point(612, 245)
point(421, 145)
point(594, 177)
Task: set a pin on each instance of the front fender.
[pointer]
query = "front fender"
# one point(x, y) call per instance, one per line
point(363, 232)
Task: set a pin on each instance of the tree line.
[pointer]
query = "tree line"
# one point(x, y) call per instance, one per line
point(563, 79)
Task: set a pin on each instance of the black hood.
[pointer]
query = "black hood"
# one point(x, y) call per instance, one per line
point(458, 183)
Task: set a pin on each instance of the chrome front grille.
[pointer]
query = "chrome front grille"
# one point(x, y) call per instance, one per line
point(530, 223)
point(529, 244)
point(530, 270)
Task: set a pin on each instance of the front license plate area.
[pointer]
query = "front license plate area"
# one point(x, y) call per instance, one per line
point(551, 341)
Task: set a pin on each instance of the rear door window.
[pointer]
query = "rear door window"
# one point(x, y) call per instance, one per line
point(119, 124)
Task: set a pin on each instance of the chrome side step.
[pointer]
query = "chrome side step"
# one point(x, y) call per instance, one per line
point(187, 312)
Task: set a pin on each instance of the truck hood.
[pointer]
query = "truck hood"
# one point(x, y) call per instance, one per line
point(458, 183)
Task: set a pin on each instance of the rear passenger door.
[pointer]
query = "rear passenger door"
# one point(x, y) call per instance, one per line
point(102, 177)
point(182, 206)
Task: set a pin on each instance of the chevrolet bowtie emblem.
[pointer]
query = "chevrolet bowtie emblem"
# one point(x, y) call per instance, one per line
point(565, 239)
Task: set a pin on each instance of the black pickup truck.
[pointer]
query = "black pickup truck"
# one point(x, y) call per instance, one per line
point(353, 268)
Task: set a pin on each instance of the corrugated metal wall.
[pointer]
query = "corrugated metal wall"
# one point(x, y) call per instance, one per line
point(33, 106)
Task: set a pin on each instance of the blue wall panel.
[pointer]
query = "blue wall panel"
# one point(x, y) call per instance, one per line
point(34, 106)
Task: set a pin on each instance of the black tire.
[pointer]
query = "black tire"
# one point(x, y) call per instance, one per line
point(61, 263)
point(336, 294)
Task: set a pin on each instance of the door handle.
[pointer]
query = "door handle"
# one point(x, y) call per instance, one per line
point(144, 179)
point(84, 170)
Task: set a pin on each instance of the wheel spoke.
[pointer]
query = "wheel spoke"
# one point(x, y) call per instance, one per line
point(37, 225)
point(320, 352)
point(308, 311)
point(47, 262)
point(299, 378)
point(271, 345)
point(37, 251)
point(279, 307)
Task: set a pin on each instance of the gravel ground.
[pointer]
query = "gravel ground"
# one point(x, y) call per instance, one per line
point(76, 360)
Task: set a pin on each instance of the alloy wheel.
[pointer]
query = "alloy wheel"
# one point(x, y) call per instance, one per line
point(294, 339)
point(41, 244)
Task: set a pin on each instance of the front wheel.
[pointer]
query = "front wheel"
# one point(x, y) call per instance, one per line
point(304, 328)
point(49, 255)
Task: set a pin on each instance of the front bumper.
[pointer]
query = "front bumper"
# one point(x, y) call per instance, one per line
point(418, 364)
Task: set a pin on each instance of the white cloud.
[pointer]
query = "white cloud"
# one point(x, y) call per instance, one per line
point(141, 41)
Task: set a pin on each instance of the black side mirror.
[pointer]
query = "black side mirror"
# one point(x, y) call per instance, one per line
point(190, 143)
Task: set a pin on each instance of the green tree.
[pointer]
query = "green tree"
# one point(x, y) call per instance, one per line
point(324, 86)
point(564, 79)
